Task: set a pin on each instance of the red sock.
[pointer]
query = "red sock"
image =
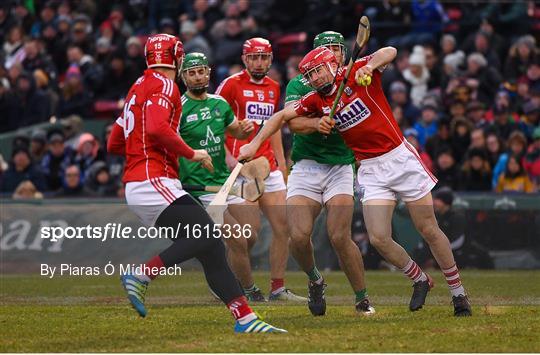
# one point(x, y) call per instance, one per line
point(276, 284)
point(240, 308)
point(413, 271)
point(153, 264)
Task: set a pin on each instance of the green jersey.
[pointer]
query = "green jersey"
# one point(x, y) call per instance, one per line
point(202, 126)
point(324, 150)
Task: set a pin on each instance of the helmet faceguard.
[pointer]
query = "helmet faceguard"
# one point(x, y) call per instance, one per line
point(329, 39)
point(194, 68)
point(257, 49)
point(318, 68)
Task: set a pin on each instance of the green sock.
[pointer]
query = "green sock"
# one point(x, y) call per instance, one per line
point(360, 295)
point(251, 289)
point(314, 274)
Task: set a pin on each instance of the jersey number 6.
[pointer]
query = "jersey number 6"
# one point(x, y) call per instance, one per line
point(129, 117)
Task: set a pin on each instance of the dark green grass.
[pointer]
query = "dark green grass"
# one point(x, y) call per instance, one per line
point(76, 314)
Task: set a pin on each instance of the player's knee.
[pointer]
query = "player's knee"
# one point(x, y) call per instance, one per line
point(300, 240)
point(339, 239)
point(429, 231)
point(379, 241)
point(236, 244)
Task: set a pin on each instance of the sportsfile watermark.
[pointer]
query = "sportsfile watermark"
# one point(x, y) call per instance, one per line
point(109, 269)
point(119, 231)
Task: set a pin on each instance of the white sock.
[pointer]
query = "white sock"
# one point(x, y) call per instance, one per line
point(140, 275)
point(246, 319)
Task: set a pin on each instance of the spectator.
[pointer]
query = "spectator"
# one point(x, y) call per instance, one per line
point(433, 65)
point(503, 123)
point(494, 147)
point(7, 20)
point(193, 41)
point(398, 96)
point(119, 78)
point(395, 69)
point(115, 163)
point(135, 55)
point(9, 107)
point(227, 50)
point(87, 153)
point(452, 67)
point(412, 137)
point(483, 46)
point(75, 100)
point(475, 173)
point(72, 183)
point(81, 34)
point(55, 45)
point(445, 169)
point(517, 145)
point(531, 117)
point(453, 223)
point(92, 72)
point(73, 130)
point(21, 169)
point(33, 104)
point(204, 14)
point(98, 181)
point(42, 83)
point(46, 17)
point(427, 125)
point(476, 114)
point(448, 44)
point(13, 47)
point(34, 59)
point(38, 146)
point(417, 75)
point(460, 130)
point(440, 140)
point(514, 178)
point(26, 190)
point(478, 139)
point(531, 162)
point(520, 56)
point(483, 79)
point(56, 160)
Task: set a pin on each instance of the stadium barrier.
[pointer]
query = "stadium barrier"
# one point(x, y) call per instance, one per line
point(506, 226)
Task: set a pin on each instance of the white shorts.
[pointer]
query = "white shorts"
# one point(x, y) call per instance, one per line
point(147, 199)
point(399, 173)
point(320, 182)
point(231, 199)
point(274, 182)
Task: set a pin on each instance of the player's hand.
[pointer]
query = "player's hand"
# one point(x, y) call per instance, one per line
point(246, 126)
point(363, 72)
point(247, 152)
point(325, 125)
point(204, 158)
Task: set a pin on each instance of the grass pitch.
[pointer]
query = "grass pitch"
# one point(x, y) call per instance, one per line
point(75, 314)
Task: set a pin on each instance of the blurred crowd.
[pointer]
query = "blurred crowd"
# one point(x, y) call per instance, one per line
point(465, 86)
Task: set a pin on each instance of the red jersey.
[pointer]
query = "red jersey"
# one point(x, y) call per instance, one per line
point(363, 116)
point(251, 101)
point(146, 158)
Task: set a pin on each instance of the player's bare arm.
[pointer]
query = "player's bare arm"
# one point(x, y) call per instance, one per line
point(240, 129)
point(277, 146)
point(379, 59)
point(270, 127)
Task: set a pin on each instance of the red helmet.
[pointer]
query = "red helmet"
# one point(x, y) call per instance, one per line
point(163, 50)
point(319, 57)
point(316, 57)
point(257, 45)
